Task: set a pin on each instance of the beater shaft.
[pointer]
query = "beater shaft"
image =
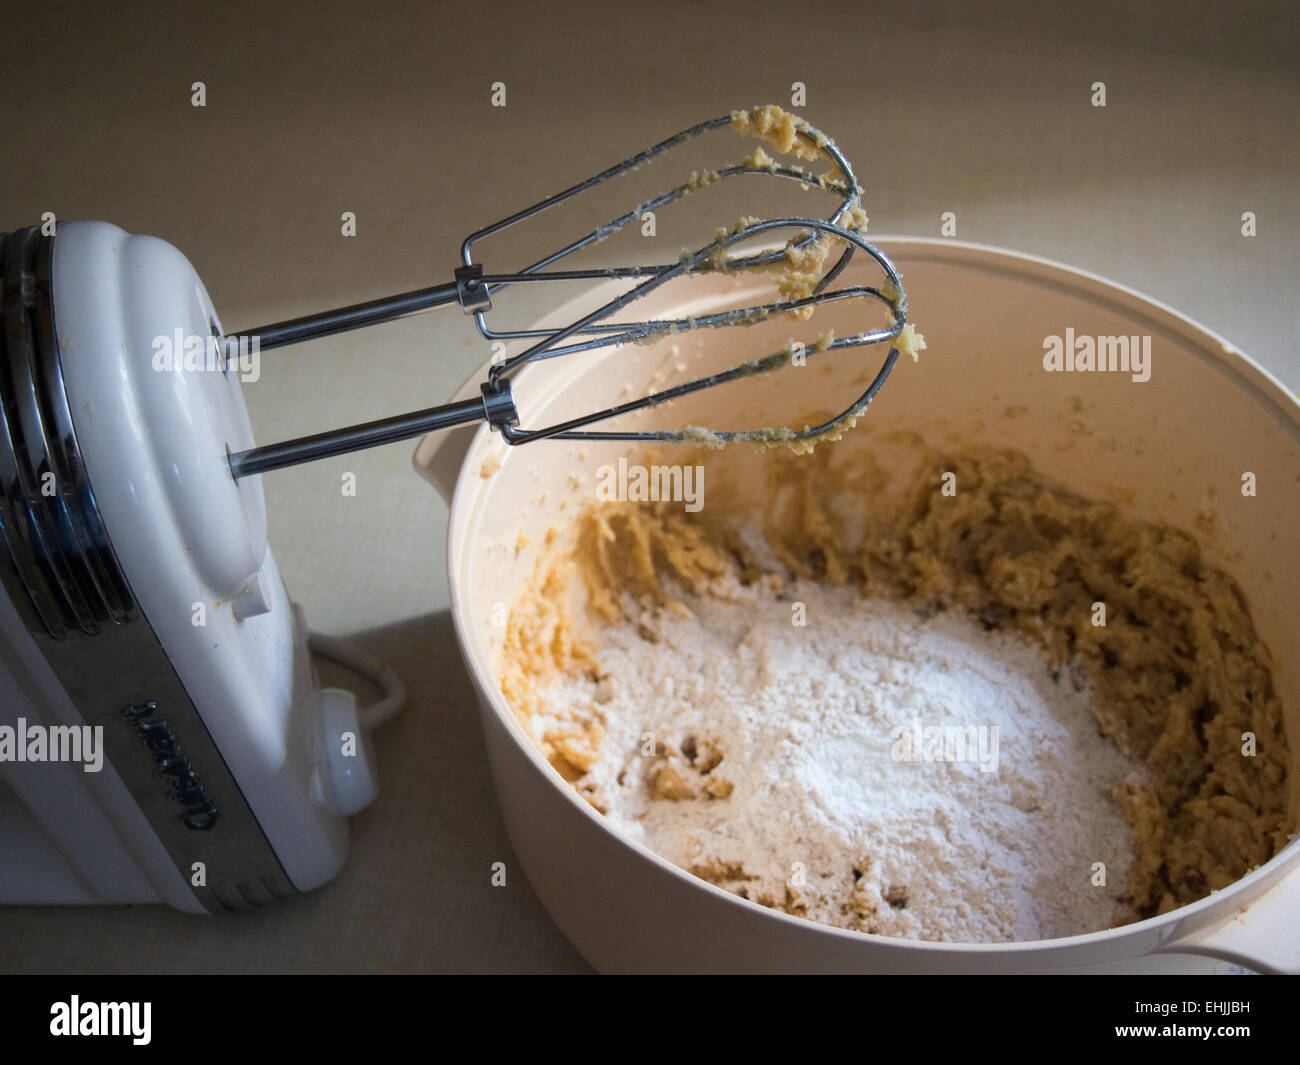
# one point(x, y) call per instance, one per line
point(496, 408)
point(357, 316)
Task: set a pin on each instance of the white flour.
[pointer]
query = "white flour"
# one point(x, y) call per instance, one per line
point(765, 757)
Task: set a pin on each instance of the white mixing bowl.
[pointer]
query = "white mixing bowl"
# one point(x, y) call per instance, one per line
point(1165, 449)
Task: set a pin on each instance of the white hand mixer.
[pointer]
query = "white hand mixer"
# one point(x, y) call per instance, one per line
point(167, 738)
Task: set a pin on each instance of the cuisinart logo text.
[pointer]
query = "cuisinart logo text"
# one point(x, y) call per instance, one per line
point(102, 1018)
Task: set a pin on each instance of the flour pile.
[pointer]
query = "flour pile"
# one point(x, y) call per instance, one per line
point(870, 768)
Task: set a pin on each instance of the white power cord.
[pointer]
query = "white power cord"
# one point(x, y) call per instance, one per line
point(370, 667)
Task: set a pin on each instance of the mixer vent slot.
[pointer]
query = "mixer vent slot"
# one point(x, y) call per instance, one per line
point(57, 546)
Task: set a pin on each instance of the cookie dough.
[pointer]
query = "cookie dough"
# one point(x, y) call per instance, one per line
point(1179, 672)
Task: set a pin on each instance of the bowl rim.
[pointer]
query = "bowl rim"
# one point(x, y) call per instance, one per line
point(466, 509)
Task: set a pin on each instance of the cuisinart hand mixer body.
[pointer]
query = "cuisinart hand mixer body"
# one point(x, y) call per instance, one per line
point(143, 605)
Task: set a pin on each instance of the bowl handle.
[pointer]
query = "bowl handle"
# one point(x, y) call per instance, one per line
point(439, 456)
point(1263, 935)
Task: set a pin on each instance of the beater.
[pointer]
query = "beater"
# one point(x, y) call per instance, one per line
point(473, 290)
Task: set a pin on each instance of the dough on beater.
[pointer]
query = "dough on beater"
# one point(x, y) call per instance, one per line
point(778, 128)
point(910, 342)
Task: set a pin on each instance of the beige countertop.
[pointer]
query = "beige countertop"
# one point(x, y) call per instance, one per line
point(384, 111)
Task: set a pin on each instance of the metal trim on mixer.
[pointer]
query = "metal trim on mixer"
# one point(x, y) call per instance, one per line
point(68, 587)
point(62, 521)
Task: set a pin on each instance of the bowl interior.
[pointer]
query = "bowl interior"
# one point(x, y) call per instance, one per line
point(1171, 446)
